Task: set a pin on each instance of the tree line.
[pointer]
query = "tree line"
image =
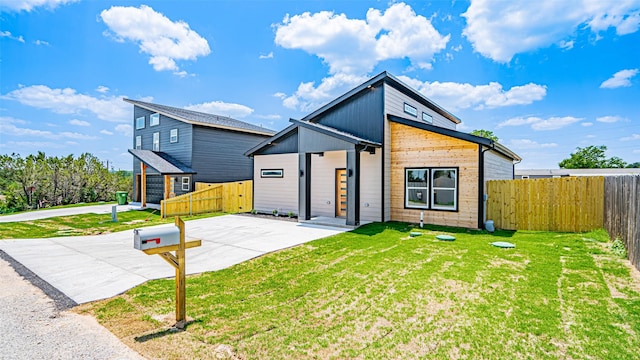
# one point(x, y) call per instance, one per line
point(39, 180)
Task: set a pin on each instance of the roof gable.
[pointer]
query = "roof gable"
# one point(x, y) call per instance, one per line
point(203, 119)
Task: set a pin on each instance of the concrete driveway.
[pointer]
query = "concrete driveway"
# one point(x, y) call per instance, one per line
point(49, 213)
point(88, 268)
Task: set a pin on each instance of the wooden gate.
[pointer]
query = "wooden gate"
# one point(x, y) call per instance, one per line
point(231, 197)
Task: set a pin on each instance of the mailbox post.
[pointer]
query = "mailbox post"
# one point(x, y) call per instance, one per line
point(162, 242)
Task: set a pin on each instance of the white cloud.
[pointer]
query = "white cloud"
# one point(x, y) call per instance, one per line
point(500, 29)
point(529, 144)
point(308, 96)
point(106, 132)
point(28, 5)
point(8, 127)
point(585, 124)
point(124, 129)
point(79, 122)
point(620, 79)
point(609, 119)
point(631, 138)
point(41, 43)
point(268, 56)
point(69, 101)
point(8, 35)
point(355, 46)
point(39, 145)
point(269, 117)
point(102, 89)
point(567, 45)
point(222, 108)
point(455, 96)
point(164, 40)
point(552, 123)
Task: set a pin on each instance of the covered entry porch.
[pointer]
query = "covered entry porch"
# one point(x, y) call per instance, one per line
point(331, 182)
point(159, 177)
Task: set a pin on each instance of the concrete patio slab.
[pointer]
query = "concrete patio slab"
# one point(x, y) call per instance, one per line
point(88, 268)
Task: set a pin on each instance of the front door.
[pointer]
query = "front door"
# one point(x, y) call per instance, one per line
point(341, 192)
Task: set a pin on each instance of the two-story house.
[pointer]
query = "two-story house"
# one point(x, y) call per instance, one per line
point(380, 152)
point(173, 148)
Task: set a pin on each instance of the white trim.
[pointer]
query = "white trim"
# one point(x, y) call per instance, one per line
point(139, 142)
point(173, 138)
point(156, 142)
point(138, 127)
point(187, 183)
point(154, 116)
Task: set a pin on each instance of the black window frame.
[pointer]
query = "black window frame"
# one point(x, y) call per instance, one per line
point(430, 188)
point(272, 176)
point(413, 112)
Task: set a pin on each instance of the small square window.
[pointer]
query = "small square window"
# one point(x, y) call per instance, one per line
point(271, 173)
point(138, 142)
point(154, 119)
point(186, 183)
point(173, 136)
point(427, 118)
point(411, 110)
point(140, 123)
point(156, 141)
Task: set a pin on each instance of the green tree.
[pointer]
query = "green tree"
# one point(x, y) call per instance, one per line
point(485, 134)
point(591, 157)
point(634, 165)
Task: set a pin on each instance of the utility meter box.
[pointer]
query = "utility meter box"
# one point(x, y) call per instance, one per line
point(144, 239)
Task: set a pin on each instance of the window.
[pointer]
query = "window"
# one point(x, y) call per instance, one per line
point(427, 118)
point(154, 119)
point(417, 188)
point(173, 136)
point(140, 123)
point(138, 142)
point(156, 141)
point(431, 188)
point(271, 173)
point(411, 110)
point(185, 183)
point(445, 187)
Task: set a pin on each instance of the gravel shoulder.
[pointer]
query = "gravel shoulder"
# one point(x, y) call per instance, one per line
point(33, 326)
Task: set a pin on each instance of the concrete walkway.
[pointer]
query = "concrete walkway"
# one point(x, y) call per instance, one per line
point(88, 268)
point(49, 213)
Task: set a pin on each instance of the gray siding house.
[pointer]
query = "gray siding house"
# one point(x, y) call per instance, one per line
point(380, 152)
point(173, 148)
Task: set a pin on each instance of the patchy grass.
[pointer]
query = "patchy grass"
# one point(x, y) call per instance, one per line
point(376, 292)
point(86, 224)
point(63, 207)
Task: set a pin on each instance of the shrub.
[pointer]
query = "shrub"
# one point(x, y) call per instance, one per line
point(617, 247)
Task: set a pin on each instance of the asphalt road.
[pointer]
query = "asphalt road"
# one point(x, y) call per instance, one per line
point(48, 213)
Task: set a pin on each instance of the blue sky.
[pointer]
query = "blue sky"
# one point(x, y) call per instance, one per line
point(545, 76)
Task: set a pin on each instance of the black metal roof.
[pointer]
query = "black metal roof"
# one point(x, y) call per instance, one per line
point(397, 84)
point(161, 162)
point(333, 132)
point(456, 134)
point(200, 118)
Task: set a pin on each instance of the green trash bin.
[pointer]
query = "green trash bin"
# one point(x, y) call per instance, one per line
point(121, 196)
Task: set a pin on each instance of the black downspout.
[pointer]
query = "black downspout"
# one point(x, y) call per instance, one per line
point(480, 187)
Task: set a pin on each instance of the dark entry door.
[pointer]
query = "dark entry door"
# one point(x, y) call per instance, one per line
point(341, 192)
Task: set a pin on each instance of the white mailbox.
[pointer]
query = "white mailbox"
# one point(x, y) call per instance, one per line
point(144, 239)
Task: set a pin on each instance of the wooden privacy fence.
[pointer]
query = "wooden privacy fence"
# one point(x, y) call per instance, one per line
point(227, 197)
point(622, 213)
point(569, 204)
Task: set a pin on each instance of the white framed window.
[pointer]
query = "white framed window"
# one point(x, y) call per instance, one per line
point(156, 141)
point(444, 189)
point(138, 142)
point(173, 136)
point(411, 110)
point(271, 173)
point(416, 188)
point(154, 119)
point(427, 118)
point(140, 123)
point(186, 183)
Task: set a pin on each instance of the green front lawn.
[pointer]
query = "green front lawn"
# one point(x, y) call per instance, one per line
point(377, 293)
point(85, 224)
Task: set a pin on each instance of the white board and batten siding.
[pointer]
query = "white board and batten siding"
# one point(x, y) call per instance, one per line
point(394, 102)
point(371, 186)
point(276, 193)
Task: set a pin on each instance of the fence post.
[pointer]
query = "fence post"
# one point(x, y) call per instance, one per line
point(190, 204)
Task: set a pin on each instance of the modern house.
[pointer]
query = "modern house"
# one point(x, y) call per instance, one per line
point(173, 148)
point(380, 152)
point(556, 173)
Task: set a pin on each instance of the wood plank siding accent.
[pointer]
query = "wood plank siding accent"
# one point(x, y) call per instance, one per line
point(411, 147)
point(394, 102)
point(276, 193)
